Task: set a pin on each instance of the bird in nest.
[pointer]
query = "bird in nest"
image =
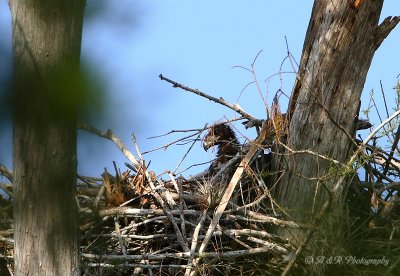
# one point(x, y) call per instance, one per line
point(223, 136)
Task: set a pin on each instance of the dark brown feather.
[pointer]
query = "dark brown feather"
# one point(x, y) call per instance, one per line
point(224, 137)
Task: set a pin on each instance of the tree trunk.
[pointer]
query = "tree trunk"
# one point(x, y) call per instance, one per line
point(46, 52)
point(340, 43)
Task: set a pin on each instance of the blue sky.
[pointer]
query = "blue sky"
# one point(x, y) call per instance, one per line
point(129, 43)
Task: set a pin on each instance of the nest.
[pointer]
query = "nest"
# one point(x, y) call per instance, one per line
point(135, 222)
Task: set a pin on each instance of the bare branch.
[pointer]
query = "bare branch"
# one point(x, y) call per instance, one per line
point(6, 172)
point(110, 136)
point(383, 30)
point(221, 101)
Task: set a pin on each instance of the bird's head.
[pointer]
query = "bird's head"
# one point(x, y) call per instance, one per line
point(217, 135)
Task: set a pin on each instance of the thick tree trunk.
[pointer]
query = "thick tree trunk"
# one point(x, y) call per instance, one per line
point(46, 53)
point(340, 43)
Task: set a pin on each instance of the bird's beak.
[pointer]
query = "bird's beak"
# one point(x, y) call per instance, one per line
point(207, 144)
point(209, 141)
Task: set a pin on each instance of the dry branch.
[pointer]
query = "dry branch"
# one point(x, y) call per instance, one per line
point(224, 255)
point(6, 172)
point(221, 101)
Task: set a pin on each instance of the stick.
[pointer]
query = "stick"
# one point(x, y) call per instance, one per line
point(141, 212)
point(192, 262)
point(6, 172)
point(224, 255)
point(191, 146)
point(211, 98)
point(118, 233)
point(110, 136)
point(179, 189)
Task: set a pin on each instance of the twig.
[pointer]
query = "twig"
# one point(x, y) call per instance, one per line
point(224, 255)
point(5, 187)
point(176, 131)
point(384, 98)
point(116, 172)
point(100, 193)
point(293, 152)
point(191, 146)
point(118, 233)
point(253, 71)
point(170, 266)
point(229, 235)
point(256, 233)
point(211, 98)
point(146, 221)
point(269, 219)
point(192, 262)
point(192, 166)
point(110, 136)
point(7, 240)
point(392, 185)
point(141, 212)
point(6, 172)
point(90, 181)
point(391, 154)
point(290, 56)
point(172, 143)
point(138, 237)
point(350, 137)
point(275, 248)
point(181, 202)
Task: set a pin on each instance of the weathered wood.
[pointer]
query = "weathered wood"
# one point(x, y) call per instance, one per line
point(337, 53)
point(46, 53)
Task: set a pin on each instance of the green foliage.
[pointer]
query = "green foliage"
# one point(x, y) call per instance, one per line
point(367, 110)
point(75, 92)
point(61, 94)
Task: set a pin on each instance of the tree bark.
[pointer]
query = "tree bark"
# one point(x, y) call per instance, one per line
point(339, 46)
point(46, 53)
